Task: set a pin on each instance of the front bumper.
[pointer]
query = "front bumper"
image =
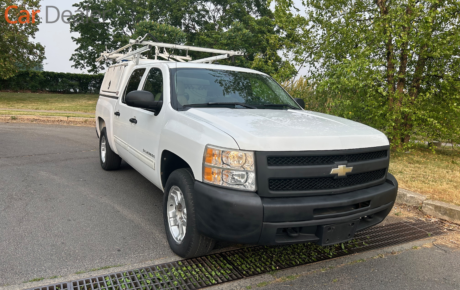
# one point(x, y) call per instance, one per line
point(245, 217)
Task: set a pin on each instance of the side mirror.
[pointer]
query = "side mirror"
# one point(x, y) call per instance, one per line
point(143, 100)
point(301, 102)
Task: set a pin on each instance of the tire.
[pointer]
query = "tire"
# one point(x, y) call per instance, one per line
point(109, 159)
point(190, 243)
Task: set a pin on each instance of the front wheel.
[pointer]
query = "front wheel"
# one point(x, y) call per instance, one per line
point(179, 217)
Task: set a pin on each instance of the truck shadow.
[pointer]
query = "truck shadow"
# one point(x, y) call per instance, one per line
point(158, 199)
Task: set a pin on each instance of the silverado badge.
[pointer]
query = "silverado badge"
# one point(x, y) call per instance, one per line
point(342, 170)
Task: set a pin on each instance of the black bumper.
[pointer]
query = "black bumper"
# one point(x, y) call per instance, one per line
point(245, 217)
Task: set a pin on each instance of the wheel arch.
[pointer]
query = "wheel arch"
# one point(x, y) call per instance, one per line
point(100, 124)
point(170, 162)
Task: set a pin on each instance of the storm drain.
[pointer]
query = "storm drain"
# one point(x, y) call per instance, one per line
point(229, 266)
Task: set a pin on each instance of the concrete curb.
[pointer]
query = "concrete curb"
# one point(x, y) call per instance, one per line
point(410, 198)
point(442, 210)
point(437, 209)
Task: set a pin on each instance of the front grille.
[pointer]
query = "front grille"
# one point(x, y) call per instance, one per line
point(323, 160)
point(320, 183)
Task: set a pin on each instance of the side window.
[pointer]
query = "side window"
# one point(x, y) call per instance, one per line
point(134, 81)
point(154, 83)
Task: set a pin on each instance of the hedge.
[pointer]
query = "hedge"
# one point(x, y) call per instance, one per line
point(53, 82)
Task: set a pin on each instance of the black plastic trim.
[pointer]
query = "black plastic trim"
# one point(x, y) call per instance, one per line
point(270, 231)
point(309, 160)
point(245, 217)
point(229, 215)
point(174, 103)
point(107, 96)
point(265, 172)
point(294, 209)
point(324, 183)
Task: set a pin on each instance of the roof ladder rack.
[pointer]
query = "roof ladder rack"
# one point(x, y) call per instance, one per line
point(148, 45)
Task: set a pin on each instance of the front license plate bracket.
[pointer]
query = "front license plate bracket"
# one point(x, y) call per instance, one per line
point(337, 233)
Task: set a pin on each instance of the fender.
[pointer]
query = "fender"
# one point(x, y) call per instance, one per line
point(187, 137)
point(105, 110)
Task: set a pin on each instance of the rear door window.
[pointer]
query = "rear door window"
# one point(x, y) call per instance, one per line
point(134, 81)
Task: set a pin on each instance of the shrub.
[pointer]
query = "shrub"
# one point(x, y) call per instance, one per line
point(53, 82)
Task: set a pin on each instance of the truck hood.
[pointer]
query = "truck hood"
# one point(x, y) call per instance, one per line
point(289, 130)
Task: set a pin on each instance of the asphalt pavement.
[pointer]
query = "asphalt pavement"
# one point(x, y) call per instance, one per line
point(61, 214)
point(423, 268)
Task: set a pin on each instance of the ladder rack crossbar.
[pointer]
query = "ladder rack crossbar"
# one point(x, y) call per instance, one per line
point(211, 59)
point(191, 48)
point(176, 57)
point(107, 54)
point(136, 54)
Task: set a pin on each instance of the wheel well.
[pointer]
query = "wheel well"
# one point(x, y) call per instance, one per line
point(169, 163)
point(101, 123)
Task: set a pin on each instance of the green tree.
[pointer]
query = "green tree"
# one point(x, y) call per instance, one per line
point(391, 64)
point(16, 50)
point(247, 25)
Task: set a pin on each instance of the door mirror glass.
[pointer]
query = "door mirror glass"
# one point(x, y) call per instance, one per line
point(143, 100)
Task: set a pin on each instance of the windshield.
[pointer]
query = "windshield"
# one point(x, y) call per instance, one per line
point(193, 87)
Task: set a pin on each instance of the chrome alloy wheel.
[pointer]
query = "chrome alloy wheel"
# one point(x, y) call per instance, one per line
point(103, 148)
point(177, 214)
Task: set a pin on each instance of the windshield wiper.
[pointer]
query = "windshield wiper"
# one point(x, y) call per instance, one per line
point(210, 104)
point(281, 105)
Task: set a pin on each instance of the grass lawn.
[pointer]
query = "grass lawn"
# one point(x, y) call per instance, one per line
point(436, 175)
point(53, 102)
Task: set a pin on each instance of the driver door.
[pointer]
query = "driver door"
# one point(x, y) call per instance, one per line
point(149, 126)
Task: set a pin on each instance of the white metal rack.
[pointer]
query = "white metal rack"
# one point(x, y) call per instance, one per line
point(160, 51)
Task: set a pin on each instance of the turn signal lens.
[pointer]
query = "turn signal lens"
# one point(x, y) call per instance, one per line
point(208, 174)
point(213, 157)
point(229, 168)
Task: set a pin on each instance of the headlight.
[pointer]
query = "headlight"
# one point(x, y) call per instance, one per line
point(229, 168)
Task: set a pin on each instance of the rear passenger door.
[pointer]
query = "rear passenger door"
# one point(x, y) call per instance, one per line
point(125, 120)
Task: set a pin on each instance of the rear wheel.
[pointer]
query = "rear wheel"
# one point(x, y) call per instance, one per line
point(109, 159)
point(179, 217)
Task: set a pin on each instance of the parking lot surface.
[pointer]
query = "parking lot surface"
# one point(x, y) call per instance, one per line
point(60, 213)
point(424, 268)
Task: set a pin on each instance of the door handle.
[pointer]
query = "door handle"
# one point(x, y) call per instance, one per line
point(133, 120)
point(117, 114)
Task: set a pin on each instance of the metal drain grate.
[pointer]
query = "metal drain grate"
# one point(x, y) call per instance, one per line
point(262, 259)
point(187, 274)
point(54, 287)
point(237, 264)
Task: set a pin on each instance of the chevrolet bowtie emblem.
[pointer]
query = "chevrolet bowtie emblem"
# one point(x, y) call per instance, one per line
point(342, 170)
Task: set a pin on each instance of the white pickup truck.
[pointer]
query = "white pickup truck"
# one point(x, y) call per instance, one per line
point(240, 160)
